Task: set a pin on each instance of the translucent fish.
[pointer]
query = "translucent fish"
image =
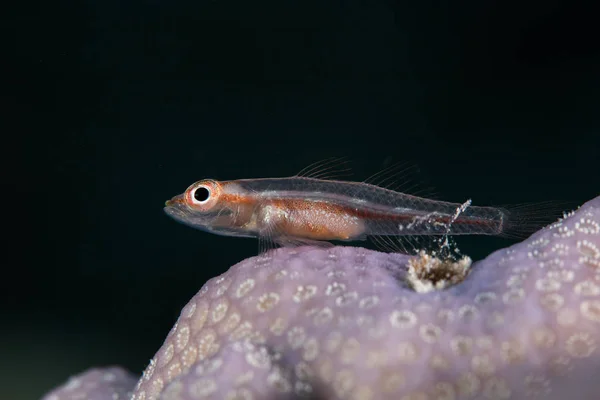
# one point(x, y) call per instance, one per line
point(302, 210)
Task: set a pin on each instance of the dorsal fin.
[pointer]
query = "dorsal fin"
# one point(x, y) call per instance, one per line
point(329, 168)
point(401, 176)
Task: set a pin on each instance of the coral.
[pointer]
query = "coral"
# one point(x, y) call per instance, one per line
point(344, 323)
point(112, 383)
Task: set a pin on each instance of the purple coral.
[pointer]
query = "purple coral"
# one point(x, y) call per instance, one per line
point(111, 383)
point(341, 323)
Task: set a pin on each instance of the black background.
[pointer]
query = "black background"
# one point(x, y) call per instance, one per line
point(112, 107)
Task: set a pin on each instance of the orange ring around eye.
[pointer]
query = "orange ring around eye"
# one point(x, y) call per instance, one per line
point(214, 192)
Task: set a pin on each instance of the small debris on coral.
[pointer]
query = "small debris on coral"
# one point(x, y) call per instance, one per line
point(427, 273)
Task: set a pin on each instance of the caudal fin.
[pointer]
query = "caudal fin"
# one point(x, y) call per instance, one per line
point(521, 220)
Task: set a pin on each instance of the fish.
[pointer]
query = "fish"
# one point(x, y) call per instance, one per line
point(311, 210)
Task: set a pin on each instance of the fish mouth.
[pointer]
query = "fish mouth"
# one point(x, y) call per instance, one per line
point(176, 201)
point(176, 208)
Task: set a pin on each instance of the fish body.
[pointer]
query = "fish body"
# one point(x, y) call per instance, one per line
point(309, 209)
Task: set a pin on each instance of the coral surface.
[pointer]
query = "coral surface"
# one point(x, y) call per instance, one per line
point(343, 323)
point(112, 383)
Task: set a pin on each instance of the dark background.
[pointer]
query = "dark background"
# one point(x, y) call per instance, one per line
point(112, 107)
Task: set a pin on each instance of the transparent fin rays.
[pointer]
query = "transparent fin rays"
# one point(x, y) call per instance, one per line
point(329, 168)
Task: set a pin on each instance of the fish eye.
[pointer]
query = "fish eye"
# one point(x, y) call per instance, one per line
point(201, 194)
